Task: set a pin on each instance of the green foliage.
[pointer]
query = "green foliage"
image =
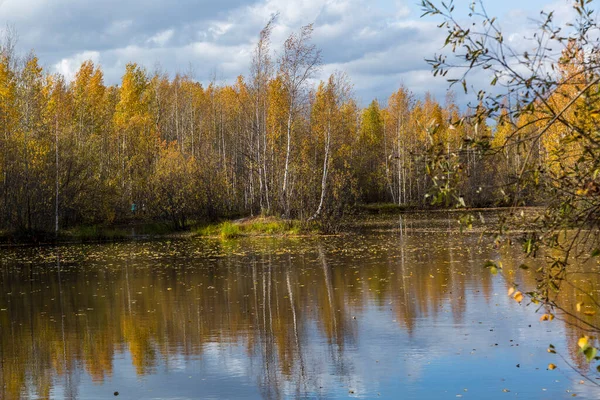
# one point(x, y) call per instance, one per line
point(370, 170)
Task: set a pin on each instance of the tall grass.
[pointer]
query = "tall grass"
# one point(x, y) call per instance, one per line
point(229, 230)
point(253, 227)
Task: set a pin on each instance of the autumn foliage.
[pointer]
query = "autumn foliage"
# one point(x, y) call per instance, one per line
point(275, 142)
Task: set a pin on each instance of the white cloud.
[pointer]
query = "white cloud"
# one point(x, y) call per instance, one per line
point(119, 27)
point(68, 67)
point(380, 43)
point(161, 38)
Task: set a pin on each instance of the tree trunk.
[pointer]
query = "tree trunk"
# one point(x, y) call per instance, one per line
point(284, 194)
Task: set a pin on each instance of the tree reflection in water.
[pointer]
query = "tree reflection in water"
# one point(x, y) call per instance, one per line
point(297, 306)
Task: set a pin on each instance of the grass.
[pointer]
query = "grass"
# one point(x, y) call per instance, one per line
point(261, 226)
point(229, 230)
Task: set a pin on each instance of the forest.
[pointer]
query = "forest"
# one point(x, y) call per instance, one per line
point(275, 142)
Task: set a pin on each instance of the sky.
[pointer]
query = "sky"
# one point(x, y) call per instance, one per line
point(380, 44)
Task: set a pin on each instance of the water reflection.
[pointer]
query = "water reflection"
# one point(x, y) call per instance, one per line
point(383, 313)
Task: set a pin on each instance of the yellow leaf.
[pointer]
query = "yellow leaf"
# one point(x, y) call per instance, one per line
point(583, 342)
point(547, 317)
point(511, 291)
point(518, 297)
point(551, 366)
point(579, 306)
point(589, 312)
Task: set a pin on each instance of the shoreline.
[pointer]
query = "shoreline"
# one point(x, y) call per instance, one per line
point(264, 227)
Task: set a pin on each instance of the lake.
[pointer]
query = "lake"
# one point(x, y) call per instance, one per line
point(403, 308)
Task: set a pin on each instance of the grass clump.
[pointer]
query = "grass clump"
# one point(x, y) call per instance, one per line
point(272, 226)
point(208, 230)
point(261, 226)
point(229, 230)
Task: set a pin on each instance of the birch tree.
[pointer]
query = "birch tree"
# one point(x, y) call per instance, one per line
point(298, 63)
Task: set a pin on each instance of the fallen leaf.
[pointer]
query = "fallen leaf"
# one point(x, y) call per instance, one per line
point(590, 353)
point(518, 297)
point(547, 317)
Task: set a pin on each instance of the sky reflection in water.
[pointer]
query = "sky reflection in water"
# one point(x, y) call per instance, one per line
point(373, 315)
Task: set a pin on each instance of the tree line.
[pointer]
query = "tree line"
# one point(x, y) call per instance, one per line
point(274, 142)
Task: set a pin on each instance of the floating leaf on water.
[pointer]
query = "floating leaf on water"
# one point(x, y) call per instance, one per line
point(511, 291)
point(518, 297)
point(579, 307)
point(547, 317)
point(590, 353)
point(589, 312)
point(551, 366)
point(583, 342)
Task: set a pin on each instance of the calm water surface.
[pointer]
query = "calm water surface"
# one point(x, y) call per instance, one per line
point(387, 313)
